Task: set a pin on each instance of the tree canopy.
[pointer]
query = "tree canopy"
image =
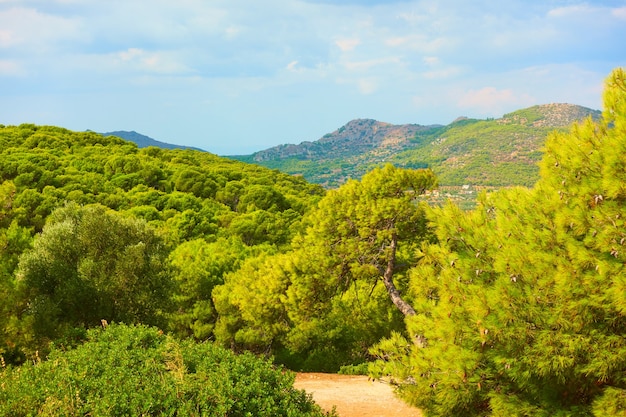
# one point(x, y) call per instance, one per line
point(111, 225)
point(340, 284)
point(91, 264)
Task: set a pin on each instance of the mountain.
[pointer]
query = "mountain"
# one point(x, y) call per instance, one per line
point(358, 137)
point(491, 152)
point(500, 152)
point(144, 141)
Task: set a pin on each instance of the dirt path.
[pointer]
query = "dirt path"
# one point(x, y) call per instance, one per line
point(354, 396)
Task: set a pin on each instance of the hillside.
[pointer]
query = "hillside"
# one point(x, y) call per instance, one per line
point(50, 166)
point(147, 233)
point(489, 152)
point(357, 137)
point(497, 152)
point(143, 141)
point(348, 152)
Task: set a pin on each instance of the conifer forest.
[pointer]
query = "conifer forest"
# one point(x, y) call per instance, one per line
point(148, 281)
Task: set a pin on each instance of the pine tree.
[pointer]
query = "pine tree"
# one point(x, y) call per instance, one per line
point(522, 301)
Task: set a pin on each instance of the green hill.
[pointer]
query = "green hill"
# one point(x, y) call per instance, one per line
point(93, 227)
point(498, 152)
point(49, 166)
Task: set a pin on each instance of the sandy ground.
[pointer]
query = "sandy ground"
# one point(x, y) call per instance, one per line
point(354, 396)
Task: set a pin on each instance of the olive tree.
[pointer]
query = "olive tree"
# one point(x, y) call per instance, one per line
point(91, 264)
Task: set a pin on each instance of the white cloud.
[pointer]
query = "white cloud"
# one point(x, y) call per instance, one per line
point(431, 60)
point(130, 54)
point(396, 41)
point(232, 32)
point(363, 66)
point(347, 44)
point(10, 68)
point(589, 14)
point(156, 62)
point(442, 73)
point(364, 85)
point(130, 63)
point(619, 13)
point(492, 100)
point(292, 66)
point(420, 42)
point(414, 18)
point(367, 86)
point(7, 38)
point(569, 10)
point(25, 27)
point(571, 83)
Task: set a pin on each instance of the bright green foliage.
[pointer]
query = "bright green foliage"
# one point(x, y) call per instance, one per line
point(138, 371)
point(91, 264)
point(522, 302)
point(262, 197)
point(199, 266)
point(258, 311)
point(250, 303)
point(7, 193)
point(321, 305)
point(363, 231)
point(13, 241)
point(261, 227)
point(342, 331)
point(188, 192)
point(183, 195)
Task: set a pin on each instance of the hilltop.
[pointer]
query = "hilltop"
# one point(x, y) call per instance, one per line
point(491, 152)
point(143, 141)
point(355, 138)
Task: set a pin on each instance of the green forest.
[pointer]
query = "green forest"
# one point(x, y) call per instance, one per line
point(175, 282)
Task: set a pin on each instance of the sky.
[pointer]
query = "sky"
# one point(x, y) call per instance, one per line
point(238, 76)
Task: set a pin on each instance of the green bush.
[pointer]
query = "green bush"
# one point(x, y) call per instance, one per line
point(360, 369)
point(139, 371)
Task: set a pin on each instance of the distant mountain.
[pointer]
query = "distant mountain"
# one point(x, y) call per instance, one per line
point(144, 141)
point(492, 152)
point(348, 152)
point(500, 152)
point(355, 138)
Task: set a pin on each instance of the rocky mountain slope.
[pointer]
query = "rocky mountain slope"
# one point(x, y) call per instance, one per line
point(355, 138)
point(492, 152)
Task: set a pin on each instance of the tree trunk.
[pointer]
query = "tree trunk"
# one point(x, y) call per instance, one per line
point(404, 307)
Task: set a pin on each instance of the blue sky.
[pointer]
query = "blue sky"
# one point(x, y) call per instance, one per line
point(237, 76)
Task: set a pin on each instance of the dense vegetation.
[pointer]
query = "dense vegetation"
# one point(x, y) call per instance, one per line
point(514, 308)
point(115, 227)
point(520, 304)
point(139, 371)
point(328, 297)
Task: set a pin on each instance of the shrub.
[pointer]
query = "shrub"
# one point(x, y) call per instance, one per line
point(139, 371)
